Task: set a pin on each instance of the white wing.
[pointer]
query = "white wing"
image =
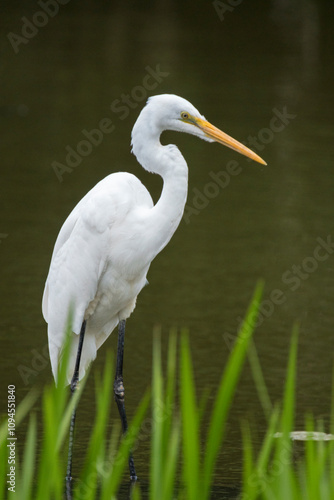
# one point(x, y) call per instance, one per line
point(81, 265)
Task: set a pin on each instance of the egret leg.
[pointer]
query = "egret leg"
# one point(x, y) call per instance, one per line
point(120, 392)
point(74, 383)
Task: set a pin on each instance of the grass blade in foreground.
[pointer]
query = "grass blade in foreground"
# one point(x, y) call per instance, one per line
point(226, 391)
point(277, 474)
point(190, 424)
point(29, 458)
point(157, 403)
point(165, 429)
point(284, 447)
point(260, 384)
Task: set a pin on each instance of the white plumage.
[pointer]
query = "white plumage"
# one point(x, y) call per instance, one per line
point(104, 249)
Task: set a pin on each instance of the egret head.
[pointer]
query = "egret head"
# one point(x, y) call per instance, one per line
point(171, 112)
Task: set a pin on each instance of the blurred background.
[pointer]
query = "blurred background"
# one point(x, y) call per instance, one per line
point(262, 71)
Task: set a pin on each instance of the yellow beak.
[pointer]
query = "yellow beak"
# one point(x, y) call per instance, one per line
point(226, 140)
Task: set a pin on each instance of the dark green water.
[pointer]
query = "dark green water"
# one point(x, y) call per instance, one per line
point(263, 74)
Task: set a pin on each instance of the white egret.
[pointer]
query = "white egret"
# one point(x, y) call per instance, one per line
point(106, 245)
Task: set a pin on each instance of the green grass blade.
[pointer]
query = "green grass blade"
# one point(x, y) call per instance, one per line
point(171, 462)
point(269, 441)
point(256, 476)
point(282, 483)
point(258, 377)
point(135, 493)
point(332, 406)
point(226, 391)
point(22, 411)
point(169, 404)
point(3, 467)
point(50, 483)
point(190, 431)
point(331, 468)
point(29, 459)
point(289, 391)
point(157, 423)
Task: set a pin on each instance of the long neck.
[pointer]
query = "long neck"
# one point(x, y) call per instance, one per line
point(168, 211)
point(165, 216)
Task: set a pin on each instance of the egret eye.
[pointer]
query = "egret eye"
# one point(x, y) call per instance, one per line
point(184, 115)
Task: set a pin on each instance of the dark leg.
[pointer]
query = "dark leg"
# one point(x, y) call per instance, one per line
point(119, 390)
point(74, 383)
